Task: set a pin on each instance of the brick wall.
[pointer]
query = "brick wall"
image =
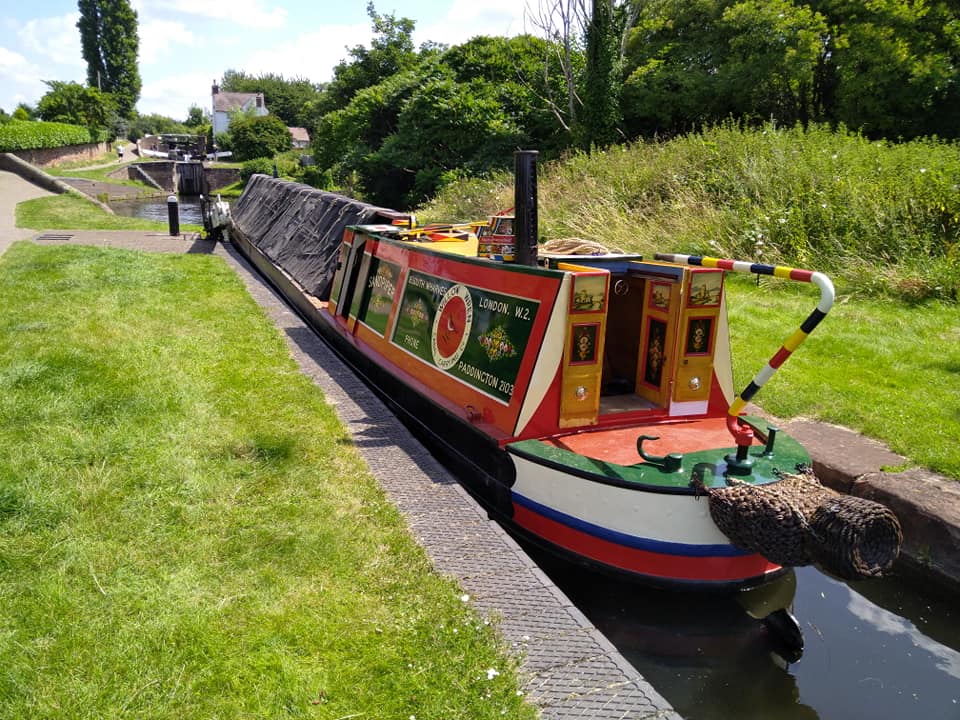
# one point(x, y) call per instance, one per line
point(44, 157)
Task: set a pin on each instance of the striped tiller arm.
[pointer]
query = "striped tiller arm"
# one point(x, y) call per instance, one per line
point(792, 342)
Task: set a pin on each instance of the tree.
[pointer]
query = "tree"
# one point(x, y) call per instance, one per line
point(893, 66)
point(567, 24)
point(196, 116)
point(110, 43)
point(70, 102)
point(390, 52)
point(445, 129)
point(290, 100)
point(600, 116)
point(258, 136)
point(528, 79)
point(25, 112)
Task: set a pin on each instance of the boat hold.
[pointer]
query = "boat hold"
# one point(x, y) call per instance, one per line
point(587, 401)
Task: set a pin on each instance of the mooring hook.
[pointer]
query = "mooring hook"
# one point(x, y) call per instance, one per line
point(670, 463)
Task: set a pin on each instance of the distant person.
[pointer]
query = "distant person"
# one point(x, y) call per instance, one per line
point(119, 153)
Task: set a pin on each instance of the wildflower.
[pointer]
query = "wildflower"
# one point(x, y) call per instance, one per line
point(491, 673)
point(464, 598)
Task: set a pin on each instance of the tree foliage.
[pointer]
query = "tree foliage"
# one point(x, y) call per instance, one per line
point(291, 100)
point(600, 116)
point(110, 43)
point(396, 124)
point(258, 136)
point(75, 104)
point(390, 52)
point(886, 67)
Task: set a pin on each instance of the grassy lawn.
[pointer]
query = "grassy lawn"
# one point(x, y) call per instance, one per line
point(185, 528)
point(66, 212)
point(882, 367)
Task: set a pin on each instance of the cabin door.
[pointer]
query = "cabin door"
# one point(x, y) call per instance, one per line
point(584, 347)
point(659, 319)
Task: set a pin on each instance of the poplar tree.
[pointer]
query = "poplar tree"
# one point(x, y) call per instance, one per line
point(600, 115)
point(110, 43)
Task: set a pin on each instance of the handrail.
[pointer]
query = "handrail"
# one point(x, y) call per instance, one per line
point(743, 434)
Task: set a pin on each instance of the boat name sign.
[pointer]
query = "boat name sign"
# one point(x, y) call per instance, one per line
point(474, 335)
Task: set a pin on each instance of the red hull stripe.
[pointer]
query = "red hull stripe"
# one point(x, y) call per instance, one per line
point(643, 562)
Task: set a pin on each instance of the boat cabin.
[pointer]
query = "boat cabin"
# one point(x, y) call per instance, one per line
point(575, 342)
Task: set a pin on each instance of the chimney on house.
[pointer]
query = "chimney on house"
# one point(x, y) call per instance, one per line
point(216, 88)
point(259, 100)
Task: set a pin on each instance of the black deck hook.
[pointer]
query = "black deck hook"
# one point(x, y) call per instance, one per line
point(670, 463)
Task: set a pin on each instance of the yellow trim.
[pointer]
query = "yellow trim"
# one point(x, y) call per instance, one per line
point(737, 405)
point(782, 272)
point(793, 342)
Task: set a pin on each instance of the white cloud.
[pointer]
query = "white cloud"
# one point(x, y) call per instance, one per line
point(467, 18)
point(158, 36)
point(945, 658)
point(173, 95)
point(310, 55)
point(243, 12)
point(56, 38)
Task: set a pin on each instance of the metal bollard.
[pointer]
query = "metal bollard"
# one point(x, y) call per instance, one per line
point(173, 213)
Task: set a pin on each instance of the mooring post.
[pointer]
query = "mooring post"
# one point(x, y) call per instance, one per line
point(525, 206)
point(173, 214)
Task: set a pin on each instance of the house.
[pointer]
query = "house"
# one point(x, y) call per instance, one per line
point(301, 138)
point(225, 103)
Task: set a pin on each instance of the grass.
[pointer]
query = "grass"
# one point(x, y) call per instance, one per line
point(66, 212)
point(185, 527)
point(885, 369)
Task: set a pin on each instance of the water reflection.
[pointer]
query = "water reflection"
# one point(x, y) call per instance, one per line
point(877, 650)
point(155, 209)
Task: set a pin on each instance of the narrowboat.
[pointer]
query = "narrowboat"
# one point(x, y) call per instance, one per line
point(587, 401)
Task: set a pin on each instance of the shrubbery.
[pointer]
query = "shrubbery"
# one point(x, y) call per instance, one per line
point(25, 135)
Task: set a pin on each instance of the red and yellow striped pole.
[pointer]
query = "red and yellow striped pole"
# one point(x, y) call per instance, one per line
point(742, 433)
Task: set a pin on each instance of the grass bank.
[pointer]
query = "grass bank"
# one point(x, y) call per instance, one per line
point(883, 219)
point(185, 528)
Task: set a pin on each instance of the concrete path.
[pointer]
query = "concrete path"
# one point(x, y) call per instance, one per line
point(13, 190)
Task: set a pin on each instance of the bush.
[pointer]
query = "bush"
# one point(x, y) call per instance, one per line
point(257, 137)
point(27, 135)
point(257, 165)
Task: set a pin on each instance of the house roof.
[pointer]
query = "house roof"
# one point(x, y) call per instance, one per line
point(227, 101)
point(299, 134)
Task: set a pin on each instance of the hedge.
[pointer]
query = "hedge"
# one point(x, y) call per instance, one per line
point(34, 135)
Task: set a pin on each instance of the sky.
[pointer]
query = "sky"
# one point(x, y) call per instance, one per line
point(187, 44)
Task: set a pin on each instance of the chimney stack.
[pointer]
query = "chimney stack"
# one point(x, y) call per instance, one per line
point(525, 206)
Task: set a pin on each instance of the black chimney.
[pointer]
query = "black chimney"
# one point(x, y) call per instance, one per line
point(525, 206)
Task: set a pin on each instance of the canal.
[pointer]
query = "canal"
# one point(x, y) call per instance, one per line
point(877, 650)
point(155, 208)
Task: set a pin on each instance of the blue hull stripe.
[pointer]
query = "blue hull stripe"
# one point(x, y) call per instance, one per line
point(632, 541)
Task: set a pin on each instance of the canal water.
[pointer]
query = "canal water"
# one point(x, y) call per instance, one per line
point(156, 209)
point(876, 650)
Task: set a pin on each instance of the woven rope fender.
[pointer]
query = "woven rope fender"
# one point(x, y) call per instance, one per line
point(796, 521)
